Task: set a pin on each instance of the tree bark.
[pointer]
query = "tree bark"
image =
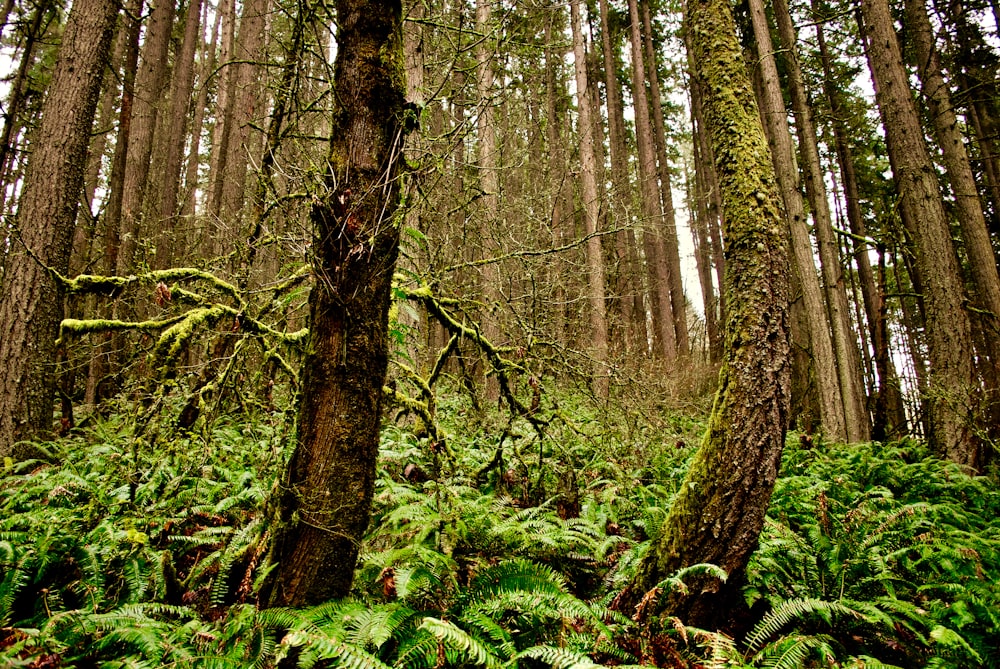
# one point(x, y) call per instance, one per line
point(664, 337)
point(591, 205)
point(150, 85)
point(719, 510)
point(968, 206)
point(786, 168)
point(628, 287)
point(181, 89)
point(889, 416)
point(845, 341)
point(31, 304)
point(953, 385)
point(678, 304)
point(326, 498)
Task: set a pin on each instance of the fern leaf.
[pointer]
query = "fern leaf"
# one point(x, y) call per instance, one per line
point(559, 658)
point(456, 638)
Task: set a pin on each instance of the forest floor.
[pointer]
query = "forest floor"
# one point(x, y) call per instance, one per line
point(498, 547)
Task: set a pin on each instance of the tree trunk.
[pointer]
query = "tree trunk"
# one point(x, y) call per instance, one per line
point(968, 207)
point(786, 169)
point(326, 498)
point(664, 338)
point(953, 385)
point(588, 176)
point(629, 284)
point(678, 304)
point(150, 85)
point(489, 181)
point(889, 416)
point(719, 510)
point(845, 341)
point(180, 102)
point(31, 304)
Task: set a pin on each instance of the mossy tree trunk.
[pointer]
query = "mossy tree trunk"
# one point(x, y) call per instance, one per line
point(327, 492)
point(719, 512)
point(31, 303)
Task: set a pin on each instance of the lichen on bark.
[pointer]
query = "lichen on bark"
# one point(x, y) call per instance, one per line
point(719, 510)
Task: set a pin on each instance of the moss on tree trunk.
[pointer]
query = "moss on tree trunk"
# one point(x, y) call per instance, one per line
point(326, 497)
point(718, 513)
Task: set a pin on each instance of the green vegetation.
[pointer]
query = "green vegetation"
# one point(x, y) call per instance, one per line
point(496, 552)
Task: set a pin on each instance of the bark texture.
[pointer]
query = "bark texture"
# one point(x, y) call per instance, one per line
point(591, 205)
point(31, 304)
point(824, 361)
point(953, 387)
point(326, 499)
point(718, 513)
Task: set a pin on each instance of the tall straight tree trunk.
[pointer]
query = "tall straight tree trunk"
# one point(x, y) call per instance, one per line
point(206, 69)
point(968, 206)
point(31, 303)
point(181, 89)
point(664, 337)
point(629, 284)
point(711, 185)
point(825, 362)
point(953, 385)
point(670, 242)
point(558, 179)
point(591, 206)
point(889, 416)
point(845, 342)
point(719, 510)
point(150, 86)
point(326, 497)
point(698, 196)
point(246, 100)
point(489, 180)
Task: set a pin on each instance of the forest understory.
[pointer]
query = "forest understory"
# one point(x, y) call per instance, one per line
point(494, 543)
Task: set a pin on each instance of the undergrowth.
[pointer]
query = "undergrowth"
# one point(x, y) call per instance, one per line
point(498, 548)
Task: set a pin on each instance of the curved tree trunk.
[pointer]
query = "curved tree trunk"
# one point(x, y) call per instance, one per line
point(326, 497)
point(31, 304)
point(719, 512)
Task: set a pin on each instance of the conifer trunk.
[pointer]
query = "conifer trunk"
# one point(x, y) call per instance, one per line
point(326, 497)
point(31, 305)
point(719, 510)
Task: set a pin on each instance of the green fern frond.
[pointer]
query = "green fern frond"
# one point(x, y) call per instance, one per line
point(949, 640)
point(457, 639)
point(792, 610)
point(558, 658)
point(790, 652)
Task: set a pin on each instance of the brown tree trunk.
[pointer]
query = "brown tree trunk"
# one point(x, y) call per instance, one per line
point(719, 510)
point(968, 207)
point(845, 341)
point(588, 176)
point(889, 417)
point(664, 337)
point(327, 493)
point(180, 102)
point(953, 385)
point(786, 168)
point(678, 304)
point(31, 304)
point(489, 181)
point(150, 85)
point(629, 285)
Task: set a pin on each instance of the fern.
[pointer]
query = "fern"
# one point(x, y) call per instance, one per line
point(558, 658)
point(456, 639)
